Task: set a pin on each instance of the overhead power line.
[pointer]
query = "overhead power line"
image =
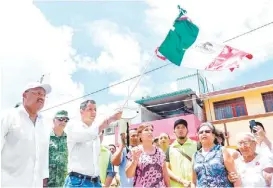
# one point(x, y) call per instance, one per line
point(150, 71)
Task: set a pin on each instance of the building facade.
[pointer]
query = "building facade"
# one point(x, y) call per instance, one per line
point(233, 108)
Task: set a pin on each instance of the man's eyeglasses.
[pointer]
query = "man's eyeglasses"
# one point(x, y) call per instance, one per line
point(205, 131)
point(63, 119)
point(246, 143)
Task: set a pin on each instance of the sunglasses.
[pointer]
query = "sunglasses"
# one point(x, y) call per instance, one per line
point(63, 119)
point(205, 131)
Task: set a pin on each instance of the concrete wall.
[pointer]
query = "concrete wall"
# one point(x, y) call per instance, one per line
point(243, 126)
point(147, 115)
point(253, 100)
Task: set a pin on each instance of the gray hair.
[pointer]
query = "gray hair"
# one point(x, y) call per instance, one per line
point(85, 103)
point(208, 124)
point(245, 135)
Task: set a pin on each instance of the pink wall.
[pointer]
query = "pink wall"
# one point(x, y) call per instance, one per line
point(166, 126)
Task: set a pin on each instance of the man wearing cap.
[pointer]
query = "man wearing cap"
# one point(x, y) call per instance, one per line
point(179, 156)
point(25, 140)
point(58, 155)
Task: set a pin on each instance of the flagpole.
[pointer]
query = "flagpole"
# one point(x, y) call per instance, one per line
point(138, 81)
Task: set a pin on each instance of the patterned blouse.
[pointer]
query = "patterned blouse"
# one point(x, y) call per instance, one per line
point(149, 171)
point(210, 169)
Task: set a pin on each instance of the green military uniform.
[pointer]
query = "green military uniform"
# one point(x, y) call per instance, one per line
point(58, 158)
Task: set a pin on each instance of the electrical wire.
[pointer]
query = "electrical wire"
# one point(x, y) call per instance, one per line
point(150, 71)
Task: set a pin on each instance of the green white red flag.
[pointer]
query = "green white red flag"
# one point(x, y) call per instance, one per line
point(183, 44)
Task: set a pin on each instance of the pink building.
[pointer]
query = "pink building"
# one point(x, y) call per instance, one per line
point(163, 110)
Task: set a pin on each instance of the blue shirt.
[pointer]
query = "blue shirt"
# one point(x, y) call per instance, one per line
point(124, 181)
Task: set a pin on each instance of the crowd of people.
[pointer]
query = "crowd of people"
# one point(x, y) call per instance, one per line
point(71, 153)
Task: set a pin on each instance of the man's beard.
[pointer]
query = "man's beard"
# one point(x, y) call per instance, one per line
point(182, 137)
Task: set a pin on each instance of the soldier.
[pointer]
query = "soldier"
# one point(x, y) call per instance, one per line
point(58, 154)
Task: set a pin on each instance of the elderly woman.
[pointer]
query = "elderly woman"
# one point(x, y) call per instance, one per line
point(254, 169)
point(212, 163)
point(146, 162)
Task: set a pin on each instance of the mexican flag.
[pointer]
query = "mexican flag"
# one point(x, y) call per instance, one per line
point(184, 44)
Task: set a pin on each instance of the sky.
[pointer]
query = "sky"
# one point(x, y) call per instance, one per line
point(84, 46)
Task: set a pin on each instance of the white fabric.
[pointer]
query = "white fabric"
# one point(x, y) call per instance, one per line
point(33, 85)
point(205, 54)
point(264, 150)
point(83, 148)
point(252, 173)
point(24, 150)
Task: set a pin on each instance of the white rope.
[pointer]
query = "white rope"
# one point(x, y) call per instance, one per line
point(138, 81)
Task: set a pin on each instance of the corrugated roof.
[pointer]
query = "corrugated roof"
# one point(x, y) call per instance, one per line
point(166, 95)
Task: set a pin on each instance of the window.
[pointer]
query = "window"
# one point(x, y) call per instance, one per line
point(230, 108)
point(268, 101)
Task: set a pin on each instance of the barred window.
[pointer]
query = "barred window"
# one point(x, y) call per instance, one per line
point(268, 101)
point(230, 108)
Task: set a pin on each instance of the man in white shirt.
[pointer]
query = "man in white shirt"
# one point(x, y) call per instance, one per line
point(25, 141)
point(83, 144)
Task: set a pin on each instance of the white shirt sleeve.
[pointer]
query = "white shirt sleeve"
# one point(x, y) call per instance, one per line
point(75, 133)
point(46, 161)
point(6, 122)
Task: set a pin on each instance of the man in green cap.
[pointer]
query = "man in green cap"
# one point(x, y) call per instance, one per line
point(58, 154)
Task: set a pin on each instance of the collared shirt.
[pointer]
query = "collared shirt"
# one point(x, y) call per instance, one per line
point(24, 150)
point(83, 145)
point(179, 164)
point(58, 158)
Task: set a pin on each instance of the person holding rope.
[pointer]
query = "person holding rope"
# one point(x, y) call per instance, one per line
point(119, 158)
point(83, 144)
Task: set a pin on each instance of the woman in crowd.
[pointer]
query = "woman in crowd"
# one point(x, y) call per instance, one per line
point(164, 141)
point(146, 162)
point(212, 163)
point(254, 169)
point(221, 140)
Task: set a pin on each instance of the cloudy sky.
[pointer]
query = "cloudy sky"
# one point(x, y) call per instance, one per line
point(84, 46)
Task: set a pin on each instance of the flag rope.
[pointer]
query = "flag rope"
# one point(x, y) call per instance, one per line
point(138, 81)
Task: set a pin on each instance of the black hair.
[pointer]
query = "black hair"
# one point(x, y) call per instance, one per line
point(113, 146)
point(221, 135)
point(155, 140)
point(180, 121)
point(85, 103)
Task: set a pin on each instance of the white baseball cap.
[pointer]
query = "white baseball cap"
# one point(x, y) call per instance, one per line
point(33, 85)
